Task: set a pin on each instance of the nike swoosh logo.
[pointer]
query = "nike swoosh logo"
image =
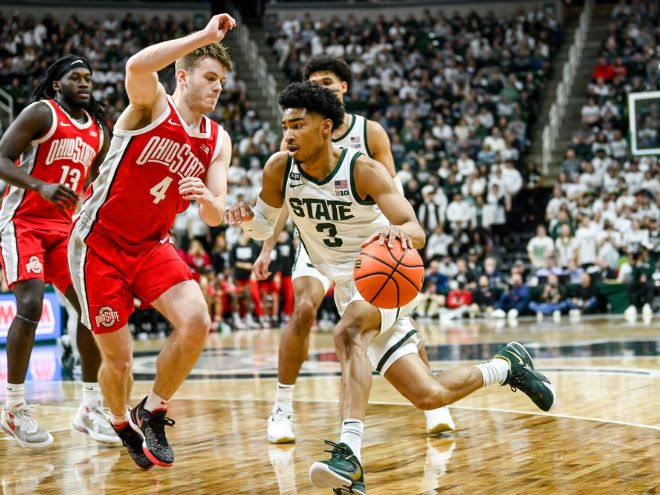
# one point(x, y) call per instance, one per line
point(519, 358)
point(355, 475)
point(170, 121)
point(294, 185)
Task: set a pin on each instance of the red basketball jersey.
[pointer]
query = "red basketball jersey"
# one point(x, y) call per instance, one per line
point(136, 196)
point(63, 155)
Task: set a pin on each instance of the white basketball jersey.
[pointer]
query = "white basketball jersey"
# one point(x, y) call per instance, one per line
point(332, 219)
point(355, 138)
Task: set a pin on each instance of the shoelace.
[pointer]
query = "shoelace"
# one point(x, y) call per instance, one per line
point(280, 415)
point(23, 418)
point(100, 417)
point(158, 425)
point(337, 450)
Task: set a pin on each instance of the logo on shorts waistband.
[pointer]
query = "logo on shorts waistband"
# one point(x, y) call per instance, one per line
point(107, 317)
point(34, 265)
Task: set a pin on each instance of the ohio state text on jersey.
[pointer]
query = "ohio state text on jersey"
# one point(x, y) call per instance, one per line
point(136, 196)
point(63, 155)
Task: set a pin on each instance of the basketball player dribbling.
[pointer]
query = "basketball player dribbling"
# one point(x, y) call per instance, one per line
point(310, 178)
point(60, 140)
point(310, 286)
point(165, 153)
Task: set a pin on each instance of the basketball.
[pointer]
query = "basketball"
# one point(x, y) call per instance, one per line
point(388, 277)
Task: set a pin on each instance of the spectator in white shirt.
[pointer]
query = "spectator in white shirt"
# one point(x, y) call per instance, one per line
point(564, 246)
point(512, 179)
point(459, 213)
point(495, 140)
point(586, 242)
point(437, 243)
point(539, 247)
point(555, 202)
point(466, 165)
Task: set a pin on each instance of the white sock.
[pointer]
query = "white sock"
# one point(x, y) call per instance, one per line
point(15, 395)
point(351, 434)
point(155, 401)
point(494, 371)
point(91, 395)
point(119, 420)
point(284, 397)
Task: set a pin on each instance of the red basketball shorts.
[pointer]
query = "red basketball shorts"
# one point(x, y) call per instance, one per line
point(30, 253)
point(107, 277)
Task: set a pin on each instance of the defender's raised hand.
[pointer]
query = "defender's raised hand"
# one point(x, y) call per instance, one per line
point(219, 26)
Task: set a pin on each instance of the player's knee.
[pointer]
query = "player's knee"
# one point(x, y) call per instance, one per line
point(197, 323)
point(29, 306)
point(348, 333)
point(118, 365)
point(304, 313)
point(429, 397)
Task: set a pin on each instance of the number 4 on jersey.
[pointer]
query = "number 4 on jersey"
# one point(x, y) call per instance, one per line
point(160, 189)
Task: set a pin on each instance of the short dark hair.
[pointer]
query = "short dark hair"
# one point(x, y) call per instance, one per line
point(217, 51)
point(313, 98)
point(335, 65)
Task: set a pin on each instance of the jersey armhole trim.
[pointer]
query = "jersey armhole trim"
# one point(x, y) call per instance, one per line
point(219, 141)
point(350, 127)
point(287, 169)
point(53, 125)
point(365, 128)
point(367, 200)
point(150, 127)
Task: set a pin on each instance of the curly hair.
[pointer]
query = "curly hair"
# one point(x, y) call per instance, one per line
point(55, 72)
point(313, 98)
point(335, 65)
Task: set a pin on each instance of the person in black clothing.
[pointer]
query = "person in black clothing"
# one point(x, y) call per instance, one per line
point(484, 298)
point(241, 258)
point(585, 298)
point(286, 254)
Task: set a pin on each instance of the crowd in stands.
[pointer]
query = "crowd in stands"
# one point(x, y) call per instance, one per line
point(28, 45)
point(457, 96)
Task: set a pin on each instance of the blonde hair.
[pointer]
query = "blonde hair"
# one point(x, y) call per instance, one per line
point(215, 50)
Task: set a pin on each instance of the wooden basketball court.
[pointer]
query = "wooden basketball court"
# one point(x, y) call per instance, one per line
point(603, 436)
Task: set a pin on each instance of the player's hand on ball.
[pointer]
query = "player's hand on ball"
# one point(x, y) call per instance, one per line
point(193, 188)
point(58, 194)
point(238, 213)
point(390, 234)
point(218, 27)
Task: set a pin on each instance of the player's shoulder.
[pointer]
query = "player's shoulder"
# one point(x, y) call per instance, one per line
point(39, 109)
point(366, 164)
point(278, 160)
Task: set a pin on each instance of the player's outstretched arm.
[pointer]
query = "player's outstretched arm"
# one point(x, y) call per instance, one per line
point(212, 195)
point(258, 222)
point(372, 180)
point(32, 124)
point(141, 69)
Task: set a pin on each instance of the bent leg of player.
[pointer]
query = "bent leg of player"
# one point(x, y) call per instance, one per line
point(90, 418)
point(105, 305)
point(510, 366)
point(309, 288)
point(360, 322)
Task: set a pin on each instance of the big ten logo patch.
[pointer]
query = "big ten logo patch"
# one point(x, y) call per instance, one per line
point(107, 317)
point(34, 265)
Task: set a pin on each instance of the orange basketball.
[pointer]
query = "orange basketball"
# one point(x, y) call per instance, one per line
point(388, 277)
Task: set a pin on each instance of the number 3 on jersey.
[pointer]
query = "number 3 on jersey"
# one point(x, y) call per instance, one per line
point(160, 189)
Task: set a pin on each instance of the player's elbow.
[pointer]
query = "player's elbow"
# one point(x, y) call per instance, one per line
point(419, 238)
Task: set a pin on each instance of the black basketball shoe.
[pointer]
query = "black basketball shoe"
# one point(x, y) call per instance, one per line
point(133, 443)
point(342, 472)
point(151, 428)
